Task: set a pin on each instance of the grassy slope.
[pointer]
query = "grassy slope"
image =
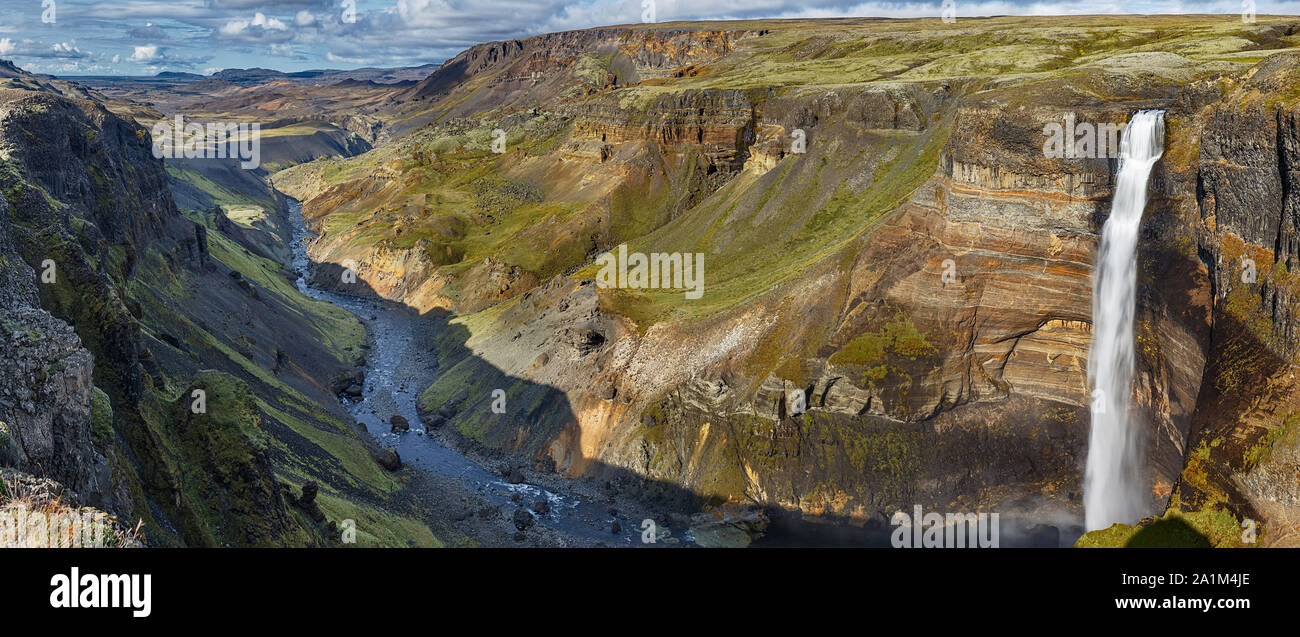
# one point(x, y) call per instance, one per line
point(439, 167)
point(306, 441)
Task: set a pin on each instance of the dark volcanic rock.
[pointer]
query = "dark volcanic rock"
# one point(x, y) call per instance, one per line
point(399, 424)
point(307, 501)
point(585, 341)
point(387, 458)
point(522, 519)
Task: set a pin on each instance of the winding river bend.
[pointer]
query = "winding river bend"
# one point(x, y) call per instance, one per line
point(393, 329)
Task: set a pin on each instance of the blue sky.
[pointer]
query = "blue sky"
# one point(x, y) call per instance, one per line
point(143, 37)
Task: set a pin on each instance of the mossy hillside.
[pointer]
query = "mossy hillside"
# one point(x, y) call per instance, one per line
point(758, 233)
point(225, 471)
point(93, 308)
point(377, 527)
point(219, 194)
point(306, 442)
point(101, 419)
point(898, 338)
point(342, 455)
point(336, 329)
point(79, 292)
point(303, 440)
point(1286, 436)
point(886, 360)
point(341, 333)
point(1200, 529)
point(209, 484)
point(452, 192)
point(824, 53)
point(89, 301)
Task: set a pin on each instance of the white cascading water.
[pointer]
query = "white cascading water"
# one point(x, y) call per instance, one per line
point(1112, 491)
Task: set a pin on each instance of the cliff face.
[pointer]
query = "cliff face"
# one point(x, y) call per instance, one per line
point(918, 276)
point(46, 401)
point(70, 167)
point(151, 360)
point(525, 69)
point(1242, 452)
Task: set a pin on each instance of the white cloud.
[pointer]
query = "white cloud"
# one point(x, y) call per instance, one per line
point(239, 27)
point(6, 46)
point(304, 18)
point(147, 53)
point(418, 13)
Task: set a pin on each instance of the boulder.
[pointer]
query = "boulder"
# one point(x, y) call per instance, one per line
point(387, 458)
point(399, 424)
point(522, 519)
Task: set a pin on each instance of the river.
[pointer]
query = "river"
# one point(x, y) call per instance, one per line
point(393, 328)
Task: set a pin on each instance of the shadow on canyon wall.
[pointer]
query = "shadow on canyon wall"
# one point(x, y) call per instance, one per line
point(538, 414)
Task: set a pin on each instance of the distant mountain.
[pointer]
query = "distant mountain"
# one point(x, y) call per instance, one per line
point(373, 84)
point(176, 75)
point(247, 76)
point(257, 76)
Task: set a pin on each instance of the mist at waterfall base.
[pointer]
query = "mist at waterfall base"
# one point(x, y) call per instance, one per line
point(1112, 490)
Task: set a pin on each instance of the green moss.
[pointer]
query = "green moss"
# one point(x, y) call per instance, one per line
point(335, 328)
point(355, 467)
point(876, 356)
point(375, 527)
point(1201, 529)
point(101, 419)
point(218, 194)
point(1259, 452)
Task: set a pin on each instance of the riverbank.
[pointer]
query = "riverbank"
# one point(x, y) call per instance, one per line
point(484, 498)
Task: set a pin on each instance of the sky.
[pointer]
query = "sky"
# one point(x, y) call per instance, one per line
point(144, 37)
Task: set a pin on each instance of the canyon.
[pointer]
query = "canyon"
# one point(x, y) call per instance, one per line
point(896, 310)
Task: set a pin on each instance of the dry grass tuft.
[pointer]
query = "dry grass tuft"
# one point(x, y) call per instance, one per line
point(35, 513)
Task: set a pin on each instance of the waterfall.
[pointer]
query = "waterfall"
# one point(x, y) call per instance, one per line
point(1112, 491)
